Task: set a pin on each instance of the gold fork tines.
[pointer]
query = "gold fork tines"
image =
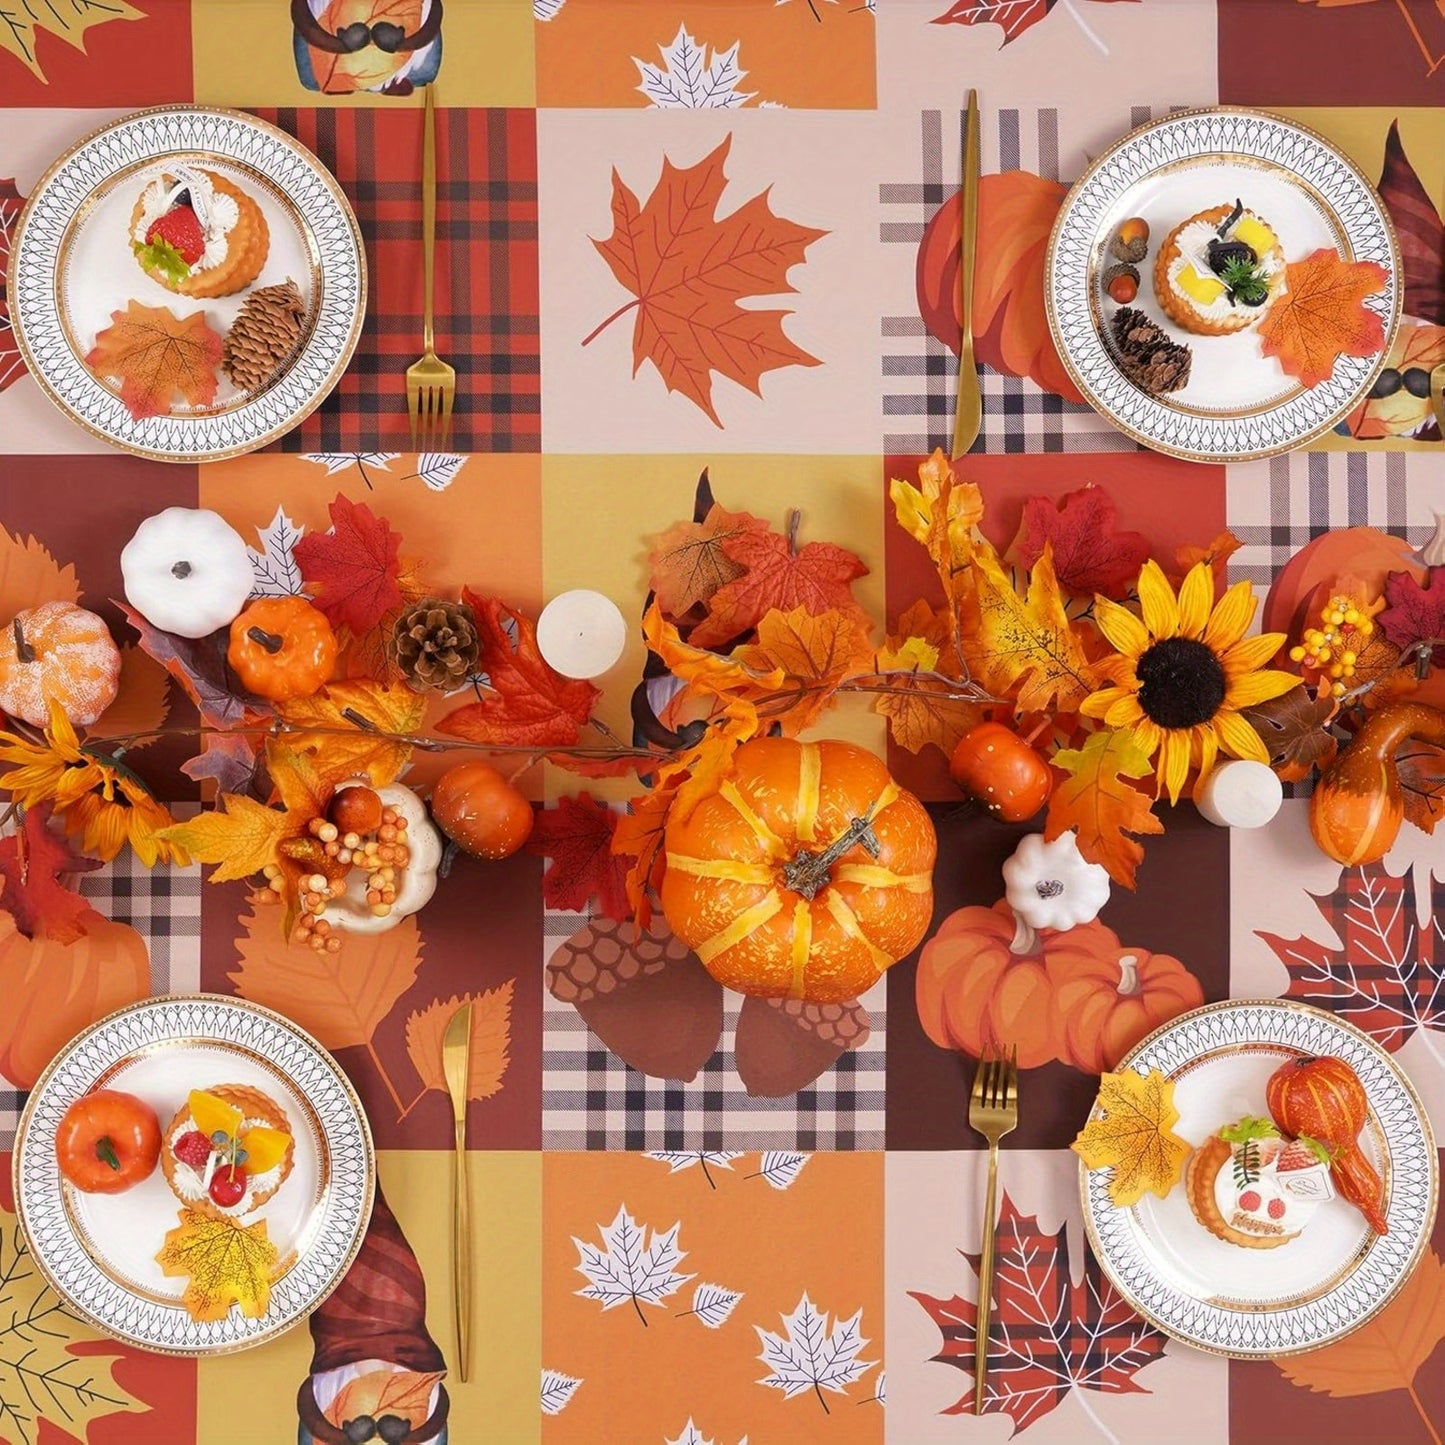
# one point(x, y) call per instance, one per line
point(431, 384)
point(993, 1111)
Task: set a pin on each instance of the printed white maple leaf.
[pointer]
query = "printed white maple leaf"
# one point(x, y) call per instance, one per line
point(339, 461)
point(880, 1391)
point(691, 1435)
point(679, 1159)
point(546, 9)
point(557, 1391)
point(712, 1304)
point(437, 469)
point(780, 1167)
point(811, 1356)
point(629, 1267)
point(274, 568)
point(687, 80)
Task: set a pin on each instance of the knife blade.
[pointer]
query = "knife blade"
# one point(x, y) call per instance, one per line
point(456, 1064)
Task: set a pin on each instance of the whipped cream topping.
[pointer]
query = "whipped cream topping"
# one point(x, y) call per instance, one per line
point(1275, 1203)
point(193, 1184)
point(1193, 242)
point(216, 213)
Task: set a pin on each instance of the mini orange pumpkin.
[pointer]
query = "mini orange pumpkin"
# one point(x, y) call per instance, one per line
point(806, 874)
point(59, 651)
point(282, 648)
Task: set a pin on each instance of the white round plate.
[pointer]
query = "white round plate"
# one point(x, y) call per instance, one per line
point(1336, 1274)
point(98, 1251)
point(1238, 403)
point(71, 267)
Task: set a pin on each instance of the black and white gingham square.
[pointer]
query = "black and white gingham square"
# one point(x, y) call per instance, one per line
point(592, 1100)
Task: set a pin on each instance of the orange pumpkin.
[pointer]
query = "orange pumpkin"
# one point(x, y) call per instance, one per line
point(1109, 997)
point(58, 652)
point(974, 993)
point(53, 990)
point(806, 874)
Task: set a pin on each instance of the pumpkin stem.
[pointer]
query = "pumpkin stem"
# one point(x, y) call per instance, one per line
point(269, 640)
point(1026, 938)
point(809, 873)
point(105, 1152)
point(23, 649)
point(1128, 974)
point(794, 518)
point(181, 570)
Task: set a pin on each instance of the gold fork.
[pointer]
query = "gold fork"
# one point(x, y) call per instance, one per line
point(993, 1111)
point(456, 1065)
point(968, 414)
point(431, 385)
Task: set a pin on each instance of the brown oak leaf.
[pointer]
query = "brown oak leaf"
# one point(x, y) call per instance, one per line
point(153, 356)
point(353, 568)
point(1295, 731)
point(491, 1038)
point(403, 1393)
point(1322, 315)
point(227, 1263)
point(1098, 802)
point(577, 836)
point(687, 271)
point(1090, 554)
point(687, 563)
point(815, 652)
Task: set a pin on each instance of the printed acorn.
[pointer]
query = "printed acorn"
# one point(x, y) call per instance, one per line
point(782, 1045)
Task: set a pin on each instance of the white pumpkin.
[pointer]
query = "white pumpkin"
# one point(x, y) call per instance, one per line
point(187, 571)
point(415, 883)
point(1051, 885)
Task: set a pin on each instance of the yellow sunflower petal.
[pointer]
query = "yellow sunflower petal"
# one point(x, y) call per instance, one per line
point(1250, 652)
point(1237, 738)
point(62, 733)
point(1156, 601)
point(1231, 617)
point(1147, 735)
point(1098, 703)
point(1196, 597)
point(1124, 711)
point(1126, 634)
point(1257, 687)
point(1208, 752)
point(1174, 761)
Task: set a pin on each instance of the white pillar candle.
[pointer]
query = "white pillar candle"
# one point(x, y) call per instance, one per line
point(1241, 794)
point(581, 633)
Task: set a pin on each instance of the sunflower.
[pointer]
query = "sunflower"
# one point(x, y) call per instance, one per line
point(97, 799)
point(1182, 674)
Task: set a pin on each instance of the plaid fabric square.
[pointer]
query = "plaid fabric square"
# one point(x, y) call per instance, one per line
point(164, 906)
point(920, 373)
point(486, 283)
point(592, 1100)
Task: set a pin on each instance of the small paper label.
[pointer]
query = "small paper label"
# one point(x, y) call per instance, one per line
point(1311, 1183)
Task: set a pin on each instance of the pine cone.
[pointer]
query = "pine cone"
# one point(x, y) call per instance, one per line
point(263, 335)
point(435, 644)
point(1147, 356)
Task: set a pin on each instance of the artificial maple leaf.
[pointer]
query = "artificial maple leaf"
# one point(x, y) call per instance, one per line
point(231, 762)
point(1090, 555)
point(1047, 1336)
point(1387, 976)
point(914, 507)
point(353, 568)
point(1097, 802)
point(22, 25)
point(1418, 230)
point(155, 356)
point(640, 837)
point(1421, 767)
point(687, 563)
point(1013, 16)
point(340, 998)
point(779, 575)
point(1217, 553)
point(1295, 731)
point(688, 270)
point(630, 1268)
point(33, 861)
point(491, 1037)
point(1132, 1131)
point(142, 700)
point(577, 836)
point(12, 367)
point(240, 836)
point(919, 708)
point(406, 1394)
point(812, 1355)
point(225, 1262)
point(364, 712)
point(815, 653)
point(1024, 646)
point(1415, 613)
point(1322, 314)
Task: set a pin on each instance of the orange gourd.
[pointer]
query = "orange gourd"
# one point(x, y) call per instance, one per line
point(53, 990)
point(58, 652)
point(1358, 804)
point(1109, 997)
point(282, 648)
point(805, 875)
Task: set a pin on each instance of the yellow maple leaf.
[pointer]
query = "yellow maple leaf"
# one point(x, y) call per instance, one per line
point(1100, 805)
point(337, 708)
point(491, 1038)
point(918, 707)
point(1132, 1130)
point(914, 506)
point(227, 1263)
point(815, 652)
point(240, 836)
point(20, 26)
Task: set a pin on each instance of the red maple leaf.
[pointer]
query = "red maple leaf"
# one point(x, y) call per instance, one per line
point(1388, 974)
point(779, 574)
point(1015, 16)
point(1416, 613)
point(32, 863)
point(354, 567)
point(11, 204)
point(1047, 1335)
point(577, 836)
point(1089, 554)
point(527, 704)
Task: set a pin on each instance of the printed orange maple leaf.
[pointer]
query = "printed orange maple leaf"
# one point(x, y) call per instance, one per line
point(687, 563)
point(153, 356)
point(354, 568)
point(1322, 315)
point(1097, 801)
point(687, 270)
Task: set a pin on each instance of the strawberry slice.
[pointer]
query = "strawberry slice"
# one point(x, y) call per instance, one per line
point(181, 231)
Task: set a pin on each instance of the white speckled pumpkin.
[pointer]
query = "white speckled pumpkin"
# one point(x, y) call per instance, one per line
point(62, 652)
point(415, 883)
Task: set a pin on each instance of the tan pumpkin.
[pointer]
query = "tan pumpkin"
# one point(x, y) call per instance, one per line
point(58, 652)
point(1108, 997)
point(53, 990)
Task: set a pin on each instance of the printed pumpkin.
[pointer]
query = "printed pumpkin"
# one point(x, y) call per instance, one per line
point(805, 875)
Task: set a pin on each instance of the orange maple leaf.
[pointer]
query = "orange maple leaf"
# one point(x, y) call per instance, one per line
point(918, 709)
point(1098, 802)
point(1322, 315)
point(687, 270)
point(154, 356)
point(491, 1037)
point(639, 836)
point(815, 653)
point(688, 564)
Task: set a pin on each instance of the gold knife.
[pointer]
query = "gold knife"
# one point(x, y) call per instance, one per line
point(968, 417)
point(456, 1063)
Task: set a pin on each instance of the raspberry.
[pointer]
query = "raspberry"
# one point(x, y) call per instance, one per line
point(1276, 1208)
point(1249, 1199)
point(192, 1148)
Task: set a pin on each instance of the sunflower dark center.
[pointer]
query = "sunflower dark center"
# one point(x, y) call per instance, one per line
point(1181, 683)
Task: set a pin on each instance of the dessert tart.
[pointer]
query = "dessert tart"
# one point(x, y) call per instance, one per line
point(198, 234)
point(1249, 1186)
point(228, 1150)
point(1219, 271)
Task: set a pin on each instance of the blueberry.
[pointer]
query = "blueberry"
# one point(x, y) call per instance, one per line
point(1387, 383)
point(361, 1429)
point(1417, 381)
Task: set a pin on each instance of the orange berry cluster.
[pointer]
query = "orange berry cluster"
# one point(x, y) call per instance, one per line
point(1334, 648)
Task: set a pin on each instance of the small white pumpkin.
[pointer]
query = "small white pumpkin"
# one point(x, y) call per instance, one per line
point(1051, 885)
point(415, 883)
point(187, 571)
